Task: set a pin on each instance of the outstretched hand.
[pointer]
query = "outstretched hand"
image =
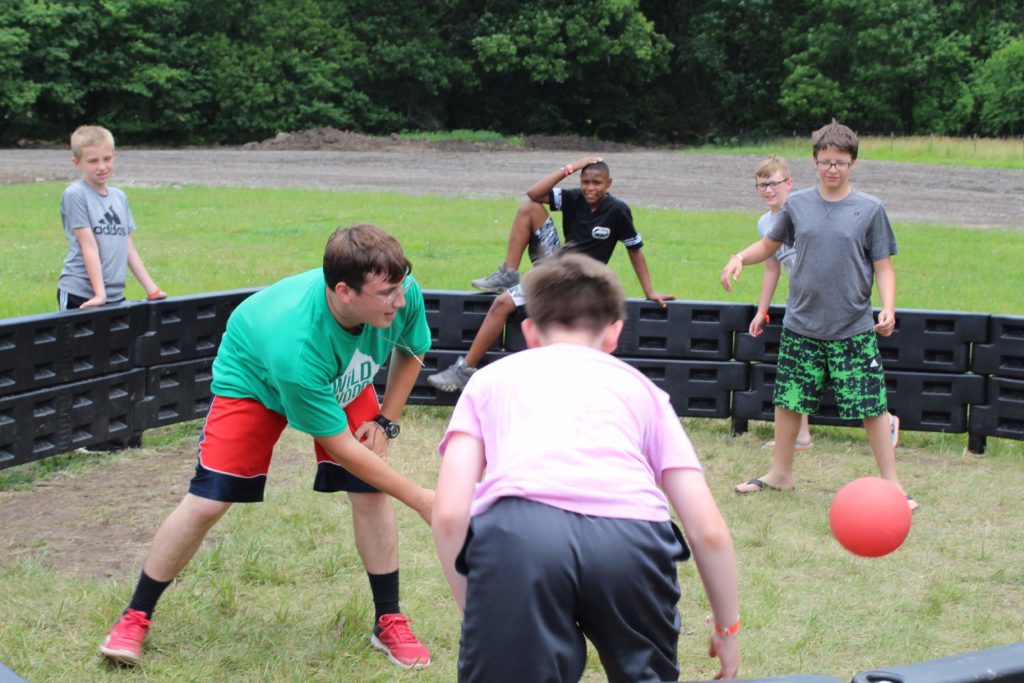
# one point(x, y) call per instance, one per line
point(731, 272)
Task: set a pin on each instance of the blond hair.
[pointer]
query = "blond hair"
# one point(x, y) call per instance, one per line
point(90, 136)
point(837, 136)
point(769, 166)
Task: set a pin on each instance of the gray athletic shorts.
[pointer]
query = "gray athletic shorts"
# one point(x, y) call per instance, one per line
point(541, 579)
point(543, 243)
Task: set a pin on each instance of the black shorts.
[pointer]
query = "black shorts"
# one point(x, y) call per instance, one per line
point(540, 579)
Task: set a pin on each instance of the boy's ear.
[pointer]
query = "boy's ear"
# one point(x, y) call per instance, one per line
point(610, 337)
point(530, 334)
point(344, 292)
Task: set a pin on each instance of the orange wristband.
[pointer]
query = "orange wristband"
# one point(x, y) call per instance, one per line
point(767, 318)
point(725, 632)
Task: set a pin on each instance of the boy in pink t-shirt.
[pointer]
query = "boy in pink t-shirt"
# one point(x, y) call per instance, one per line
point(551, 516)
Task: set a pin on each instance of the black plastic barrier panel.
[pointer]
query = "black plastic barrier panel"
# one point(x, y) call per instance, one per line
point(1003, 664)
point(55, 420)
point(935, 341)
point(45, 350)
point(1004, 354)
point(697, 388)
point(176, 392)
point(683, 329)
point(924, 401)
point(455, 317)
point(422, 393)
point(791, 678)
point(186, 327)
point(1003, 412)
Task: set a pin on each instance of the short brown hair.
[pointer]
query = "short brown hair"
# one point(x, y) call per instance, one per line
point(769, 166)
point(90, 136)
point(354, 255)
point(836, 136)
point(573, 291)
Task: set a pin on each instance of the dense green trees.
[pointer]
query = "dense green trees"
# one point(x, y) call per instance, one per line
point(176, 71)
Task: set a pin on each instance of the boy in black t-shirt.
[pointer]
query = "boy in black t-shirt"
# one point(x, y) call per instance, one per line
point(593, 221)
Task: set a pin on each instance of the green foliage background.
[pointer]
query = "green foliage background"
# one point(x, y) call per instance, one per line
point(227, 71)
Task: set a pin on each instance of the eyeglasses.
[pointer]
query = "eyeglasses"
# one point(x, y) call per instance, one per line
point(773, 185)
point(826, 165)
point(390, 298)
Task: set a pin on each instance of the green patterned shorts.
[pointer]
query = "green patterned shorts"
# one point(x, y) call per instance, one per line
point(853, 366)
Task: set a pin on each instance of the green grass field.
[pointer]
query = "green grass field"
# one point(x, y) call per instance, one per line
point(933, 149)
point(263, 599)
point(197, 239)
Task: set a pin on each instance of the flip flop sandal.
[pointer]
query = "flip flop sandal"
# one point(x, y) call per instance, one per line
point(761, 486)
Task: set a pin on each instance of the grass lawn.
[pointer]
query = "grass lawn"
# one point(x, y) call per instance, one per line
point(264, 598)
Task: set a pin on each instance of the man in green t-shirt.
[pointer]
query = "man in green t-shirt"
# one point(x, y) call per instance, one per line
point(304, 352)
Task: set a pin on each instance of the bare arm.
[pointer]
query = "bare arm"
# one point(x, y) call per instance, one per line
point(713, 553)
point(885, 276)
point(539, 192)
point(639, 262)
point(138, 268)
point(755, 253)
point(772, 270)
point(402, 374)
point(365, 464)
point(461, 469)
point(91, 257)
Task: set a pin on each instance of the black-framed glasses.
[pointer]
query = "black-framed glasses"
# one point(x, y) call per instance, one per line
point(826, 165)
point(770, 185)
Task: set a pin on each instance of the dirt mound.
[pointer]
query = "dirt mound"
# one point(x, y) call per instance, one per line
point(332, 139)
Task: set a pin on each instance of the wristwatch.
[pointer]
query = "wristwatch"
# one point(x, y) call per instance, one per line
point(391, 429)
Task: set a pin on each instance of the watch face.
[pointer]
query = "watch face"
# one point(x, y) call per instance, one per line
point(391, 430)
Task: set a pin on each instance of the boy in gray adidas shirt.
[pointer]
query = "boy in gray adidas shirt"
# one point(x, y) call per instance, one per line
point(98, 225)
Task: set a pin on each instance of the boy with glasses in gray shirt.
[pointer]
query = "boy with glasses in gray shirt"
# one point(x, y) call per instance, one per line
point(843, 243)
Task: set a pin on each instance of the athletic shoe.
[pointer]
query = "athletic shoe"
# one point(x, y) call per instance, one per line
point(452, 378)
point(498, 281)
point(393, 636)
point(894, 429)
point(123, 643)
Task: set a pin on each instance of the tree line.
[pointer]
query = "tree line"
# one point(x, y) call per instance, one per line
point(649, 71)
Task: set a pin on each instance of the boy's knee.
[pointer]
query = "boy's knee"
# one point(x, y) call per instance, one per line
point(534, 211)
point(502, 305)
point(204, 511)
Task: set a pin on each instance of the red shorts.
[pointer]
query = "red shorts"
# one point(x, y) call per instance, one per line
point(238, 440)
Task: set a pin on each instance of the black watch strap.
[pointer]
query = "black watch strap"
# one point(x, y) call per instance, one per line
point(391, 429)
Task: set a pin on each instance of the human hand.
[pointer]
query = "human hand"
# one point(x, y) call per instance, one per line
point(757, 324)
point(731, 272)
point(424, 504)
point(372, 435)
point(659, 298)
point(886, 322)
point(586, 161)
point(98, 300)
point(727, 649)
point(156, 295)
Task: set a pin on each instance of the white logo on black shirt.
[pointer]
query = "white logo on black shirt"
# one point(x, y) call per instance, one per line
point(601, 233)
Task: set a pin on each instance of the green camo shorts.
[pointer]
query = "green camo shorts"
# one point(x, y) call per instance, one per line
point(853, 365)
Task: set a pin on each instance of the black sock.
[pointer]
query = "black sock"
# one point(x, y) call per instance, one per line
point(385, 594)
point(147, 593)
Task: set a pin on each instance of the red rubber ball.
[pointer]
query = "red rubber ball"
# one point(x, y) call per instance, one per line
point(870, 517)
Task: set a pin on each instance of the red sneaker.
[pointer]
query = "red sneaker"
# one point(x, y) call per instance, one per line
point(393, 636)
point(123, 643)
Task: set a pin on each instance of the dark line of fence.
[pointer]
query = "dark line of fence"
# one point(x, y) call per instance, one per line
point(82, 378)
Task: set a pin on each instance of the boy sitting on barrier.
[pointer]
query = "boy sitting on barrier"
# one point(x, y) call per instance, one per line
point(843, 243)
point(551, 511)
point(98, 225)
point(592, 220)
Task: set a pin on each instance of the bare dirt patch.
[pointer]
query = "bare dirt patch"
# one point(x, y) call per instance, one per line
point(330, 159)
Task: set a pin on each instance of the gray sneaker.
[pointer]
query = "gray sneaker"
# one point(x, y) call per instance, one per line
point(452, 378)
point(498, 281)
